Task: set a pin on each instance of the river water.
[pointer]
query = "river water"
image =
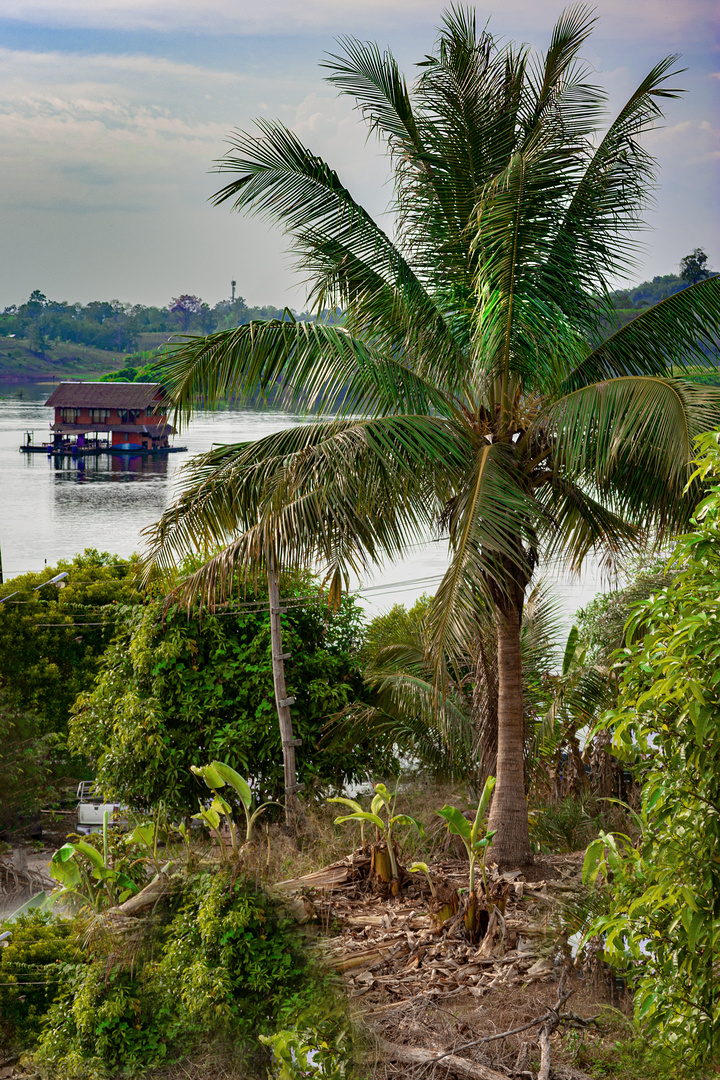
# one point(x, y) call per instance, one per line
point(49, 512)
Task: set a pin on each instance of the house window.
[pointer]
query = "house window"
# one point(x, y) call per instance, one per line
point(129, 416)
point(69, 416)
point(100, 416)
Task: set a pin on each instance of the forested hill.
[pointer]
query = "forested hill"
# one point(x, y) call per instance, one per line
point(54, 338)
point(630, 302)
point(45, 338)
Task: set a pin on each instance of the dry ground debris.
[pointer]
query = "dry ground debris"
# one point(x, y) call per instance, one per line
point(435, 1004)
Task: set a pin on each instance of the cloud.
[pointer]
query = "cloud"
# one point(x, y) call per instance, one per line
point(641, 18)
point(106, 157)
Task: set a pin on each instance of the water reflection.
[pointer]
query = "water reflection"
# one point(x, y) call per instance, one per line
point(101, 468)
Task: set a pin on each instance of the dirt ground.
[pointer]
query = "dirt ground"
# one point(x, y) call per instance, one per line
point(513, 1003)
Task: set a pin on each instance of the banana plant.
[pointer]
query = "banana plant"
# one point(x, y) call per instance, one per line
point(476, 838)
point(423, 868)
point(84, 874)
point(356, 809)
point(383, 803)
point(216, 775)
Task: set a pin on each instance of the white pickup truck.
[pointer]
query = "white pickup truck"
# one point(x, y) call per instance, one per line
point(90, 810)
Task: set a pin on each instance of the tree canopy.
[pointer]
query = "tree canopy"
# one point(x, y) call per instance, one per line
point(52, 639)
point(664, 920)
point(175, 691)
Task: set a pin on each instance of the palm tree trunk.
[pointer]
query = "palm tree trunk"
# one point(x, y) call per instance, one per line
point(508, 813)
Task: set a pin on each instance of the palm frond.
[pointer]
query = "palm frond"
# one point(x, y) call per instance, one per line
point(575, 525)
point(342, 494)
point(559, 82)
point(492, 522)
point(594, 240)
point(299, 366)
point(632, 439)
point(680, 332)
point(381, 94)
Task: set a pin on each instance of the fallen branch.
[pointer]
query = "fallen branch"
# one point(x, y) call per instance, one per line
point(469, 1070)
point(146, 898)
point(544, 1042)
point(551, 1022)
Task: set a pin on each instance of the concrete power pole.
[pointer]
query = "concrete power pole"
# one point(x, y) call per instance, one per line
point(282, 701)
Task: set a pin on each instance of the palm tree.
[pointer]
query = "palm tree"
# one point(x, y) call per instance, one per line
point(470, 384)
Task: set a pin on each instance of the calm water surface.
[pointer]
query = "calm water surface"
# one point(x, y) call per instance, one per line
point(50, 511)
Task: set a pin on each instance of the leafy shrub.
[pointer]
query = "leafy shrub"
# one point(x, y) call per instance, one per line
point(566, 825)
point(33, 969)
point(226, 962)
point(177, 692)
point(31, 768)
point(663, 919)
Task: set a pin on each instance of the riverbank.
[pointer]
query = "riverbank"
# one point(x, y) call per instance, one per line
point(61, 360)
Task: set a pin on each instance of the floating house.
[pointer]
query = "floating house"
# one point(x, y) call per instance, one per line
point(98, 417)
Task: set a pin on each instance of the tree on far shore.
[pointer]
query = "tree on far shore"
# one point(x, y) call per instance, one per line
point(693, 267)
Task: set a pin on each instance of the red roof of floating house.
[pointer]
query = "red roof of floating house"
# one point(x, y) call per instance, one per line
point(109, 395)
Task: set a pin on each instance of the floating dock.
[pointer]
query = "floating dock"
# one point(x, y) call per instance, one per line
point(91, 451)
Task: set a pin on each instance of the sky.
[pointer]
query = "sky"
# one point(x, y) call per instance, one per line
point(112, 113)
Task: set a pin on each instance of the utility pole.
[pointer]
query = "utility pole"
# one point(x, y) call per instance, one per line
point(232, 286)
point(282, 701)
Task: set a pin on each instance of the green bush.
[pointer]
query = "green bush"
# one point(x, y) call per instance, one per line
point(175, 691)
point(663, 919)
point(225, 963)
point(34, 968)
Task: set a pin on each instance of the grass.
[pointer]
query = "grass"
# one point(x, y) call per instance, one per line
point(61, 360)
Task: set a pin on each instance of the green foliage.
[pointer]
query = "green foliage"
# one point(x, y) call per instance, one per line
point(144, 366)
point(217, 775)
point(302, 1056)
point(33, 969)
point(31, 767)
point(92, 876)
point(601, 623)
point(174, 691)
point(46, 656)
point(398, 626)
point(475, 835)
point(663, 922)
point(227, 962)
